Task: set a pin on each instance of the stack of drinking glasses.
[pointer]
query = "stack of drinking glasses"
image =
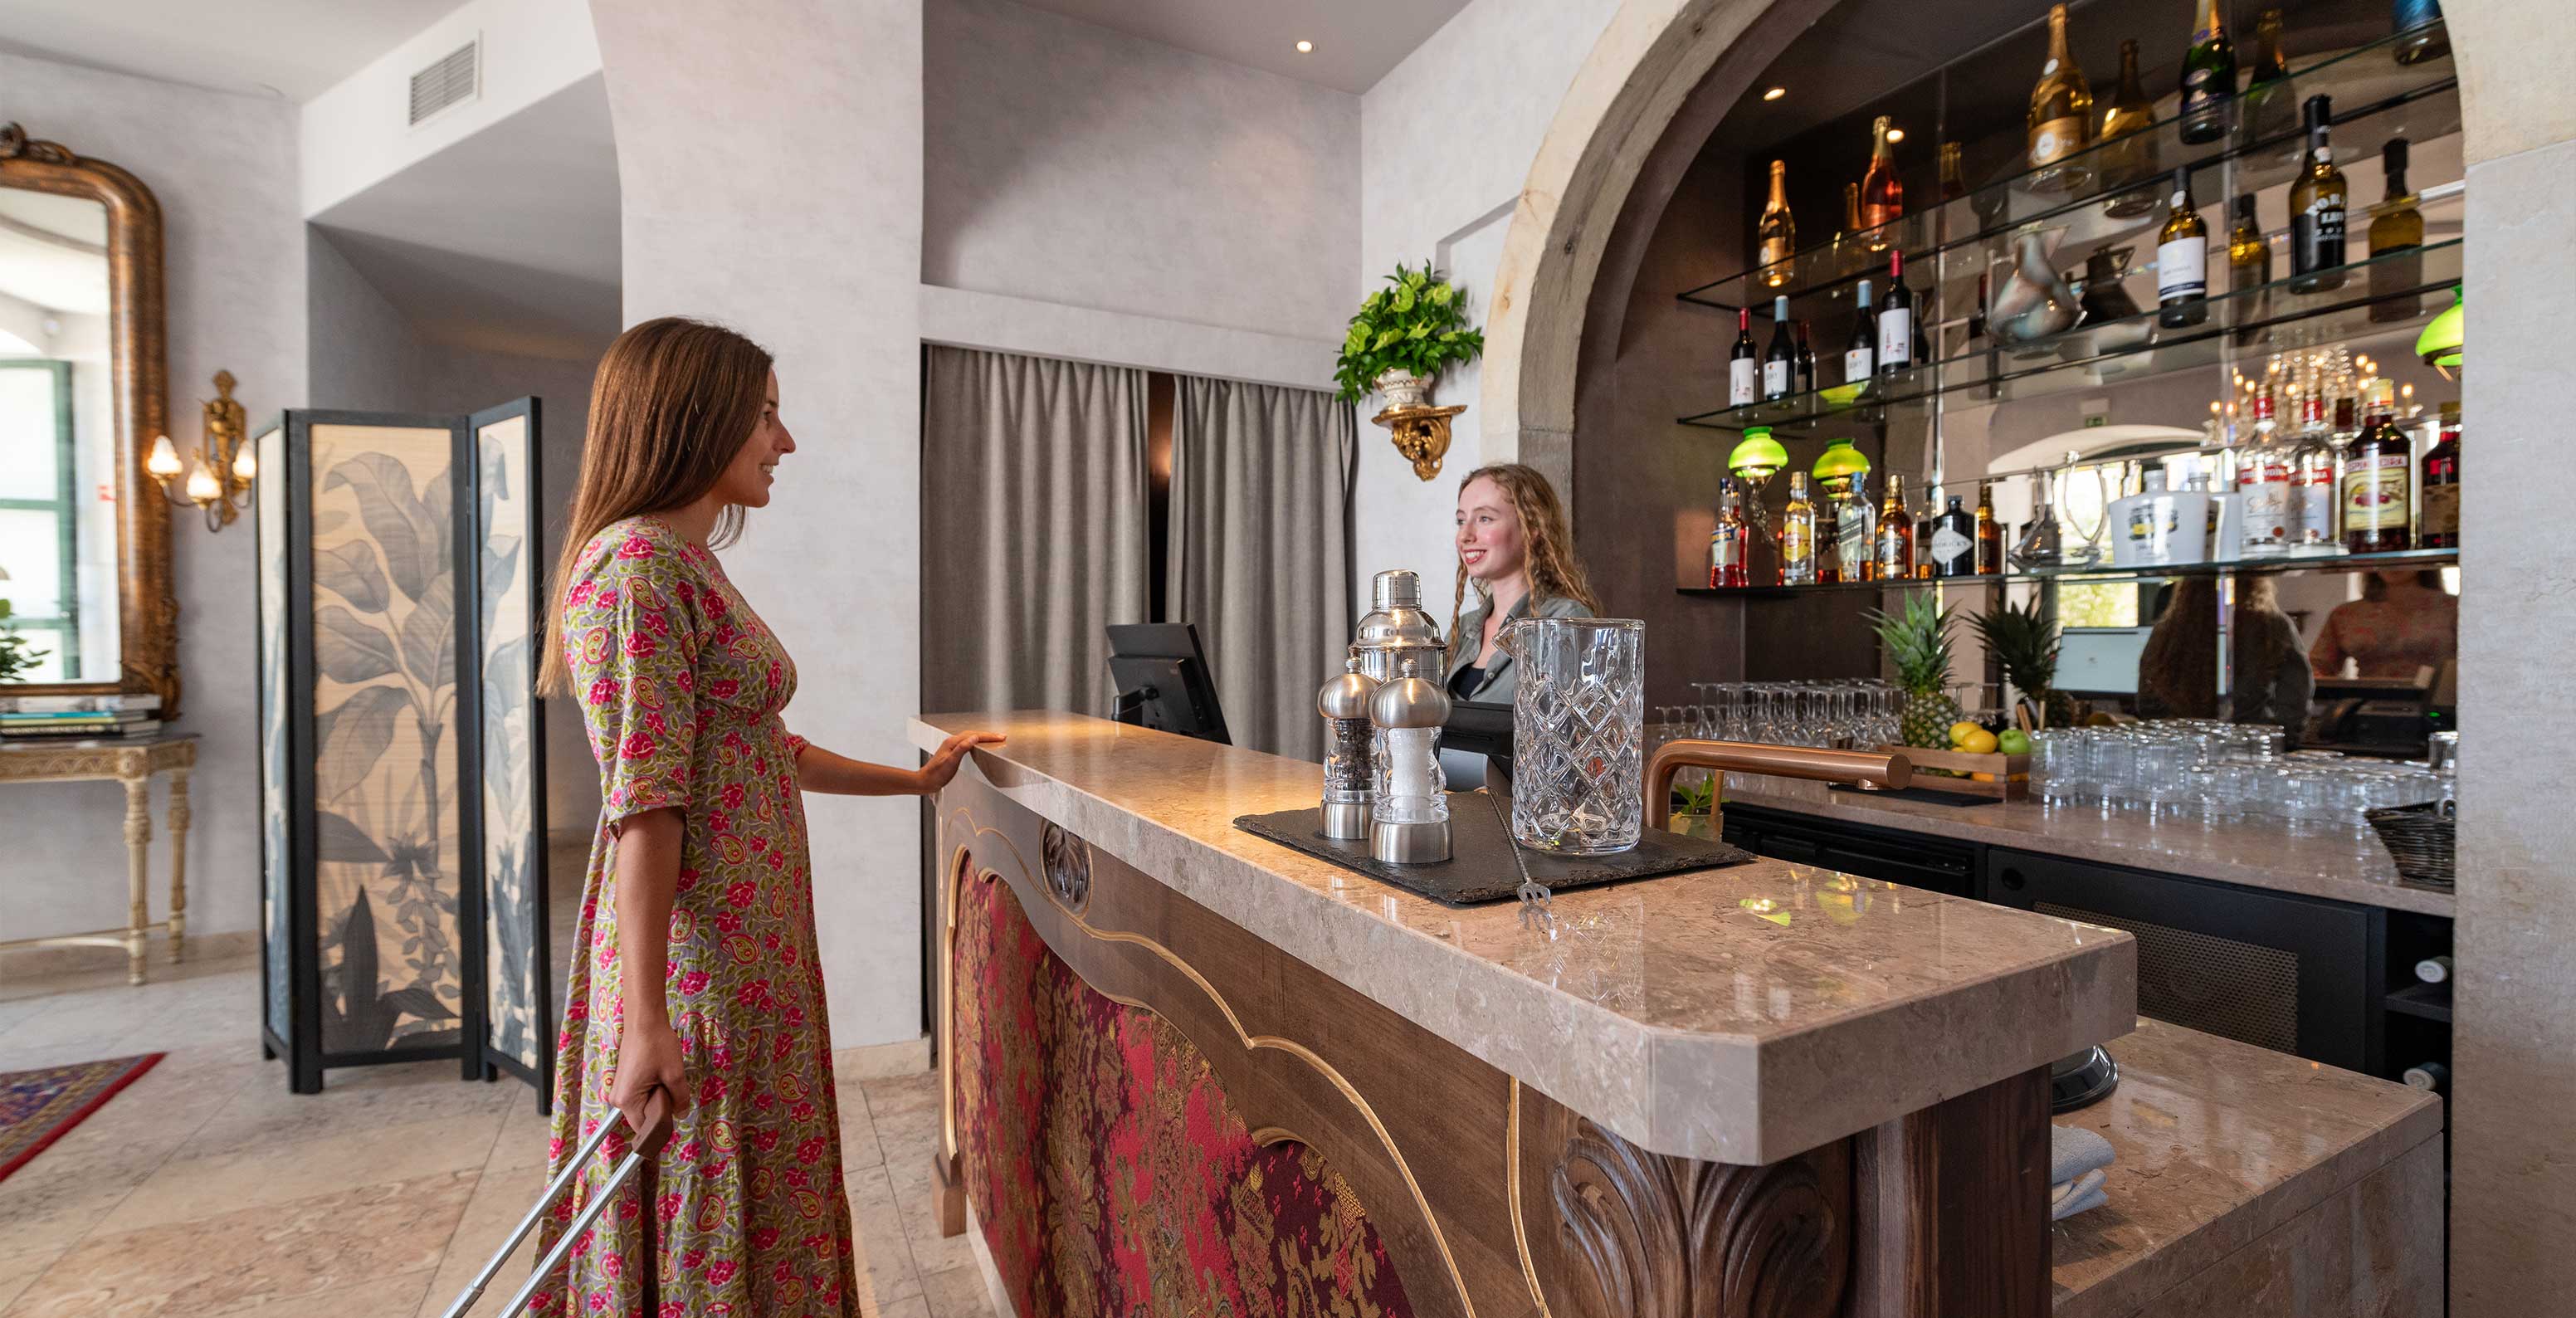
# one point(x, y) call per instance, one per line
point(1825, 714)
point(2210, 772)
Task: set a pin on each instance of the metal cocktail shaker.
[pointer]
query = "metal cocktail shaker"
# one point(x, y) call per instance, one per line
point(1397, 627)
point(1350, 758)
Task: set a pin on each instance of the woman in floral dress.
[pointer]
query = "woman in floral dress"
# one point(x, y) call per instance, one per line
point(698, 884)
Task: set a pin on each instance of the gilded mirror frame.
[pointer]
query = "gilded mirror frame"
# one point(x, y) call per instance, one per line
point(147, 608)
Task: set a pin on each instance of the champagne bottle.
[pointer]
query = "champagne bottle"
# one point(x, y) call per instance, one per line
point(1806, 381)
point(1882, 198)
point(2317, 209)
point(2397, 228)
point(1780, 363)
point(2129, 152)
point(1798, 535)
point(1896, 320)
point(1895, 533)
point(1743, 365)
point(2426, 38)
point(1954, 184)
point(2182, 261)
point(2267, 88)
point(2208, 78)
point(1860, 352)
point(1778, 233)
point(2061, 109)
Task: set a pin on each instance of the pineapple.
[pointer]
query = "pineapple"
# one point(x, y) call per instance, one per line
point(1918, 642)
point(2025, 641)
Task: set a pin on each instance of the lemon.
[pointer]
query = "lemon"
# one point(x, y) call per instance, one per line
point(1961, 731)
point(1979, 742)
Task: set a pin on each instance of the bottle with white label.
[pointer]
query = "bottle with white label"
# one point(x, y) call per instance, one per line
point(1860, 356)
point(2312, 481)
point(1743, 364)
point(1780, 364)
point(2157, 527)
point(2182, 261)
point(1896, 319)
point(1954, 541)
point(2263, 477)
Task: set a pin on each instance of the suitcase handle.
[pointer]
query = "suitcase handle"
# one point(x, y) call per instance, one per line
point(642, 1157)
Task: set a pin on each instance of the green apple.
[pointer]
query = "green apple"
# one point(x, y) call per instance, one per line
point(2013, 742)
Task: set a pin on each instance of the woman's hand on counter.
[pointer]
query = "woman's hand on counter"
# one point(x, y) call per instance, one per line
point(819, 770)
point(952, 752)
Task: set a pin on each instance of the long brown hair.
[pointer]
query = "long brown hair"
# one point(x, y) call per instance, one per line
point(674, 400)
point(1553, 571)
point(2178, 669)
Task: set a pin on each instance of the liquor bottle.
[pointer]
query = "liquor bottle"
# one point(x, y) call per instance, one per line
point(2396, 240)
point(2060, 121)
point(1954, 542)
point(1777, 232)
point(1780, 363)
point(1896, 320)
point(1806, 382)
point(2378, 468)
point(1856, 531)
point(2442, 484)
point(2129, 153)
point(1798, 535)
point(1882, 198)
point(2208, 78)
point(1860, 353)
point(1895, 557)
point(2263, 479)
point(1726, 543)
point(1954, 185)
point(2312, 479)
point(1743, 365)
point(1927, 520)
point(2182, 260)
point(2267, 85)
point(2426, 38)
point(1990, 533)
point(2317, 209)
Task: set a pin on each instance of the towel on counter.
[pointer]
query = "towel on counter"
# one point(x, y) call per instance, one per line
point(2073, 1151)
point(2079, 1203)
point(2059, 1196)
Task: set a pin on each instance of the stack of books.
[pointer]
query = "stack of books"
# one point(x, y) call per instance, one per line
point(33, 718)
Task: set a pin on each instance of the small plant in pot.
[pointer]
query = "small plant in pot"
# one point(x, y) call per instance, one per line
point(1403, 336)
point(16, 655)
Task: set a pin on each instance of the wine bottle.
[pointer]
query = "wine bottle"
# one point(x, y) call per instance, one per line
point(1780, 363)
point(1726, 543)
point(1778, 233)
point(1895, 533)
point(1954, 542)
point(2208, 78)
point(2061, 109)
point(2396, 237)
point(1860, 353)
point(1743, 368)
point(1798, 535)
point(2129, 150)
point(2378, 471)
point(2267, 87)
point(1806, 381)
point(1882, 197)
point(1954, 184)
point(2317, 209)
point(1896, 320)
point(2442, 485)
point(2182, 260)
point(2249, 255)
point(2426, 38)
point(1990, 534)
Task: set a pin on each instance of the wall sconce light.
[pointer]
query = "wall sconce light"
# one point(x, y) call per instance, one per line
point(220, 475)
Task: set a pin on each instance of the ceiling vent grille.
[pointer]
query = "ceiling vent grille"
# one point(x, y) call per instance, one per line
point(449, 81)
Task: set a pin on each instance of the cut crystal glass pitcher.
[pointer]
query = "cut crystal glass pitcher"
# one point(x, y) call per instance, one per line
point(1578, 733)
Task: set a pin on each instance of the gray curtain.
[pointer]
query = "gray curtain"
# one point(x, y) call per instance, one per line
point(1034, 527)
point(1260, 554)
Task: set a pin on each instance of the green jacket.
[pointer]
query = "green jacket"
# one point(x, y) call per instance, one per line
point(1498, 683)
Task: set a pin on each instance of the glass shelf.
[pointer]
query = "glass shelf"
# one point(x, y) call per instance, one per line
point(2404, 558)
point(2264, 139)
point(2273, 317)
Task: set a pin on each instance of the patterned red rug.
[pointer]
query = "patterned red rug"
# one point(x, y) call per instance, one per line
point(37, 1107)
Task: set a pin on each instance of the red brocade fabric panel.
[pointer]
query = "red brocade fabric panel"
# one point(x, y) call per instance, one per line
point(1109, 1173)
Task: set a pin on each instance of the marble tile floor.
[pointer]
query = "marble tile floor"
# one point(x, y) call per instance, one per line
point(206, 1188)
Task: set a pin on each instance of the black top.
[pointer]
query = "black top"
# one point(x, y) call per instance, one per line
point(1465, 680)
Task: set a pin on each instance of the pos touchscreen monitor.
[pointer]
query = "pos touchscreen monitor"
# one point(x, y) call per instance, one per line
point(1163, 680)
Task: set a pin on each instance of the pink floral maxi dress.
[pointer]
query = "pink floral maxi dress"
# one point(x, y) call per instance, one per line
point(681, 687)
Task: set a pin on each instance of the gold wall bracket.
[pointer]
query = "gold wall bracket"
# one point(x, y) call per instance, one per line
point(1421, 434)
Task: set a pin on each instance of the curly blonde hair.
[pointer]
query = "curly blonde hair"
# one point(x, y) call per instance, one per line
point(1553, 571)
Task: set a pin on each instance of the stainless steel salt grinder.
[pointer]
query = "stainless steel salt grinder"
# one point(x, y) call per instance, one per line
point(1350, 769)
point(1396, 626)
point(1409, 822)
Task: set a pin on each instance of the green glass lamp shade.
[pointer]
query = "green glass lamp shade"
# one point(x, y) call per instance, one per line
point(2444, 343)
point(1759, 456)
point(1838, 464)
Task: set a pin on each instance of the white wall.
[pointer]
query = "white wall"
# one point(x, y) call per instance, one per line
point(1446, 142)
point(224, 169)
point(771, 154)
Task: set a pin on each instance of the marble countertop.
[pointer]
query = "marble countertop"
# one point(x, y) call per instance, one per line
point(2217, 1143)
point(1744, 1015)
point(2350, 869)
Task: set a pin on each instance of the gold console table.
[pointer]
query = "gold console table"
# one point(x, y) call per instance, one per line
point(133, 763)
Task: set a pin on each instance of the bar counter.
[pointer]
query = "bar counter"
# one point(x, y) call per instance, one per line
point(1765, 1088)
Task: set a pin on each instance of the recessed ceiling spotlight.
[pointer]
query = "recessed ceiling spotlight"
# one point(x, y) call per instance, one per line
point(1896, 134)
point(1305, 48)
point(1775, 93)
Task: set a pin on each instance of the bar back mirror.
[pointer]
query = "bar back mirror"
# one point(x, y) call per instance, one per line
point(84, 534)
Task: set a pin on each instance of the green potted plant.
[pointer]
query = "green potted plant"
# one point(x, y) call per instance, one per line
point(15, 657)
point(1402, 337)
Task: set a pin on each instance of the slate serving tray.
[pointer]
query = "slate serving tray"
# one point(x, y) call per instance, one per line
point(1480, 866)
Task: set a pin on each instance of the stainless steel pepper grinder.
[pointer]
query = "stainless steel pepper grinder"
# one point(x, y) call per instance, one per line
point(1350, 765)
